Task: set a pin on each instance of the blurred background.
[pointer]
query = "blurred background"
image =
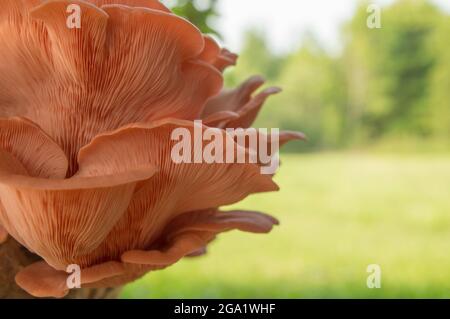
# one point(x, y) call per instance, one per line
point(372, 184)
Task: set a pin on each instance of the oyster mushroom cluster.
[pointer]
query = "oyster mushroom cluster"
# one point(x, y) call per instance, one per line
point(86, 115)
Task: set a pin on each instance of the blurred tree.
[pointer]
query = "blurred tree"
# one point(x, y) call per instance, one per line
point(387, 83)
point(388, 70)
point(440, 83)
point(256, 57)
point(312, 98)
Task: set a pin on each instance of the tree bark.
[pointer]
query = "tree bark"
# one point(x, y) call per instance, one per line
point(14, 257)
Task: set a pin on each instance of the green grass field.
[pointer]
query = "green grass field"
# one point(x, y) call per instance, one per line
point(339, 213)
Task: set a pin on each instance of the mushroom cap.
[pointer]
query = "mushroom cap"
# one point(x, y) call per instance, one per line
point(86, 121)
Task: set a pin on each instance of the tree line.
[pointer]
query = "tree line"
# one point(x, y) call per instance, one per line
point(386, 86)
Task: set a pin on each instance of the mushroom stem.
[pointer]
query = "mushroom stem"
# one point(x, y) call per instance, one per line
point(14, 257)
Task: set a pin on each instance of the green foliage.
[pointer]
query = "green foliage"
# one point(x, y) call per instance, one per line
point(388, 84)
point(440, 82)
point(391, 83)
point(312, 96)
point(199, 13)
point(396, 61)
point(255, 57)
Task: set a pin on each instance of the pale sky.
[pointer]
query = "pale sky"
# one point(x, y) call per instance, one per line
point(284, 21)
